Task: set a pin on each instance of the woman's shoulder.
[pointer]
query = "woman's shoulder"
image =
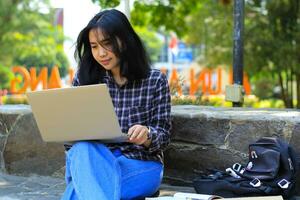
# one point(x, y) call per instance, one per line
point(156, 74)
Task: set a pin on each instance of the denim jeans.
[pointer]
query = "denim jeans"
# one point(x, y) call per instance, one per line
point(93, 172)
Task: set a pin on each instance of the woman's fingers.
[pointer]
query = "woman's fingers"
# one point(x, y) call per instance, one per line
point(138, 134)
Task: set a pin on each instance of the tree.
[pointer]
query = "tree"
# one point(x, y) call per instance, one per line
point(107, 3)
point(167, 15)
point(158, 13)
point(211, 26)
point(44, 50)
point(149, 37)
point(152, 43)
point(271, 42)
point(192, 20)
point(28, 37)
point(5, 76)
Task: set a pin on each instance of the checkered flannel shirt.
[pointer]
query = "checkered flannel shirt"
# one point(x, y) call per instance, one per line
point(145, 102)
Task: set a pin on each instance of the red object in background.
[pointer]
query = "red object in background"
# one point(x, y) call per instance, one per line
point(173, 42)
point(2, 93)
point(173, 45)
point(59, 17)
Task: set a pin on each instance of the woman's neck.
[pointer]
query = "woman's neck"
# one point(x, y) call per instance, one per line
point(120, 80)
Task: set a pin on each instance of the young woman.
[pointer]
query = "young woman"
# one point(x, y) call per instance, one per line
point(109, 51)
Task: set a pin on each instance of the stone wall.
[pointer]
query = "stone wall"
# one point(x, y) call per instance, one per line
point(22, 150)
point(202, 137)
point(216, 138)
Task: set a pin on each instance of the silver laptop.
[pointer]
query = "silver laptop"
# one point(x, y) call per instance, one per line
point(76, 113)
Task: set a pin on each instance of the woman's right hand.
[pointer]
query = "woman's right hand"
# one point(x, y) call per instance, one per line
point(138, 134)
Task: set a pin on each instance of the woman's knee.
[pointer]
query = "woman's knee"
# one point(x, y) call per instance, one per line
point(81, 146)
point(88, 147)
point(141, 184)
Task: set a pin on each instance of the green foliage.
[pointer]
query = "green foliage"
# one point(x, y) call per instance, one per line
point(28, 36)
point(185, 100)
point(169, 15)
point(272, 38)
point(107, 3)
point(15, 99)
point(200, 23)
point(250, 101)
point(45, 51)
point(212, 26)
point(203, 22)
point(152, 43)
point(264, 86)
point(5, 76)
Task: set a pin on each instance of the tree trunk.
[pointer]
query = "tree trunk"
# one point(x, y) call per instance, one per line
point(291, 83)
point(288, 92)
point(298, 89)
point(283, 91)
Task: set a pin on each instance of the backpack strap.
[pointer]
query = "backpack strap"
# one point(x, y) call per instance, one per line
point(283, 184)
point(214, 174)
point(266, 189)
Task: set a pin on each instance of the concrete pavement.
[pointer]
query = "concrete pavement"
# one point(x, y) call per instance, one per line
point(37, 187)
point(30, 188)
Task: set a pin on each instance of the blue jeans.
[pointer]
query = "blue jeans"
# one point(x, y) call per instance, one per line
point(94, 172)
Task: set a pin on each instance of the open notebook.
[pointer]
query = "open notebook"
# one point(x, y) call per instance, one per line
point(193, 196)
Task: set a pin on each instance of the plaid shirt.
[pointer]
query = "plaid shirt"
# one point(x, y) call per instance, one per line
point(145, 102)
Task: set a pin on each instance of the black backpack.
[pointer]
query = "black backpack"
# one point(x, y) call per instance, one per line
point(271, 170)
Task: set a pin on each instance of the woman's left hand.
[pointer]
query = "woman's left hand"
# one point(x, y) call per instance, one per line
point(138, 134)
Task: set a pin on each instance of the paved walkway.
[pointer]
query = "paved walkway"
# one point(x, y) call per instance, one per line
point(30, 188)
point(49, 188)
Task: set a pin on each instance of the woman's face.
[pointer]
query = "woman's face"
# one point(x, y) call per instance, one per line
point(102, 50)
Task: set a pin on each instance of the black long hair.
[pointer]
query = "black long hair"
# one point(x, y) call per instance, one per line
point(134, 61)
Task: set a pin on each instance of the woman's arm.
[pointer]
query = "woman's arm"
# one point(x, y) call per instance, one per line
point(160, 124)
point(155, 136)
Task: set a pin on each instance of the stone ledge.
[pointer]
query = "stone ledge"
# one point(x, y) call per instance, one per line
point(202, 137)
point(191, 111)
point(22, 149)
point(208, 137)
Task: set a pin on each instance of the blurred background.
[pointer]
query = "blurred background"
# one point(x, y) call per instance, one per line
point(189, 40)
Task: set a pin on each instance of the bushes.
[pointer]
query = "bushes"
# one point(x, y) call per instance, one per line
point(250, 101)
point(5, 76)
point(15, 99)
